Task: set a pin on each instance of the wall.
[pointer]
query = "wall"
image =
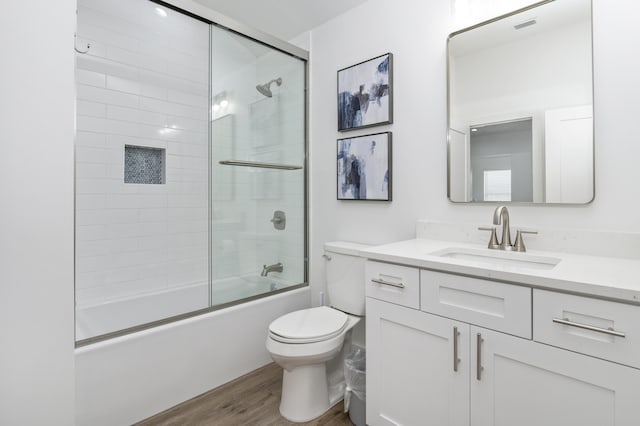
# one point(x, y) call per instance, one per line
point(416, 34)
point(36, 218)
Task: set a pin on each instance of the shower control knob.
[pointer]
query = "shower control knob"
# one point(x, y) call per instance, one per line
point(279, 220)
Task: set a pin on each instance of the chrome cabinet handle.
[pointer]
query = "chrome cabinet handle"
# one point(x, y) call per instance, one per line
point(479, 356)
point(456, 360)
point(609, 331)
point(390, 284)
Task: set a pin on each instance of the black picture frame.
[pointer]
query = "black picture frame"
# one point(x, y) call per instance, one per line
point(364, 168)
point(365, 94)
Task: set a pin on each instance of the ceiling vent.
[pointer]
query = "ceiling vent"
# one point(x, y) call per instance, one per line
point(525, 24)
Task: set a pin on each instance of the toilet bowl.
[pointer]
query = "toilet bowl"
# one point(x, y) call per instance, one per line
point(305, 389)
point(304, 342)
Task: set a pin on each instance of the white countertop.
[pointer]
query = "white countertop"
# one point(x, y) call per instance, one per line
point(598, 276)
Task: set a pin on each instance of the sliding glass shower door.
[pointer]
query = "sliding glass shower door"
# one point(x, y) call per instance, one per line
point(257, 168)
point(190, 155)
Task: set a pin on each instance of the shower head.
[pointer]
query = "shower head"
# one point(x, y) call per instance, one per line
point(265, 89)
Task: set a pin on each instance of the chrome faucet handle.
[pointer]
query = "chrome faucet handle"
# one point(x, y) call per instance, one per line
point(519, 244)
point(493, 239)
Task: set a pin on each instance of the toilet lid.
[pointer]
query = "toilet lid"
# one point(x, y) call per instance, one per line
point(308, 325)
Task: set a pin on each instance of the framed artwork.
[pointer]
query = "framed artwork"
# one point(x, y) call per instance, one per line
point(364, 167)
point(365, 95)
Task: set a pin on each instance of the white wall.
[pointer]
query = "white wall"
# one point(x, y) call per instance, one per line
point(416, 33)
point(36, 215)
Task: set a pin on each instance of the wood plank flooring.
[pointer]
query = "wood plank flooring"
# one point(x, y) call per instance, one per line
point(251, 400)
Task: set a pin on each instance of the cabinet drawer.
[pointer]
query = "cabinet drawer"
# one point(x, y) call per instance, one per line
point(498, 306)
point(393, 283)
point(600, 328)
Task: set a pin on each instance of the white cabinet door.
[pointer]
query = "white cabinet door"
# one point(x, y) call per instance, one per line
point(410, 367)
point(526, 383)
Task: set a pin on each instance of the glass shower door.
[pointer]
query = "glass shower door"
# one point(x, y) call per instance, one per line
point(141, 154)
point(257, 168)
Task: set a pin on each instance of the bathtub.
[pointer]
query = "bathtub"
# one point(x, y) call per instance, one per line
point(126, 379)
point(95, 319)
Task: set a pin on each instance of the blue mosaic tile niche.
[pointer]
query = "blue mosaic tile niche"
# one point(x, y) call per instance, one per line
point(144, 165)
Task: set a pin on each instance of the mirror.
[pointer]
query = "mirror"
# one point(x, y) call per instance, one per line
point(520, 98)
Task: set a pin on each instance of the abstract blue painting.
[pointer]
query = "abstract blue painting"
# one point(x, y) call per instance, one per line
point(365, 94)
point(364, 167)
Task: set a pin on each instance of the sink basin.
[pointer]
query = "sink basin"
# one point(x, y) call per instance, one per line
point(498, 258)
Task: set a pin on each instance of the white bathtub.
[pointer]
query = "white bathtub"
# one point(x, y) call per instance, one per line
point(95, 319)
point(129, 378)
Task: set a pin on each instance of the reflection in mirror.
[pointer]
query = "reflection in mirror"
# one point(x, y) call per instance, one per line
point(521, 107)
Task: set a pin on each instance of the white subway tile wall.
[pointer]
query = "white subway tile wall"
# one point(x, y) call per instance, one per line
point(143, 83)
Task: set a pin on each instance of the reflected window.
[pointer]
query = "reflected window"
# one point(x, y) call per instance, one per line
point(497, 185)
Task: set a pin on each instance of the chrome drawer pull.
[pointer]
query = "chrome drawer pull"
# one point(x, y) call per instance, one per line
point(479, 367)
point(611, 332)
point(390, 284)
point(456, 360)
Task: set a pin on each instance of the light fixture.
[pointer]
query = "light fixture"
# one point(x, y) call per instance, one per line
point(473, 129)
point(220, 102)
point(161, 12)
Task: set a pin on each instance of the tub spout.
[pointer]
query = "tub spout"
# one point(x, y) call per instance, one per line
point(276, 267)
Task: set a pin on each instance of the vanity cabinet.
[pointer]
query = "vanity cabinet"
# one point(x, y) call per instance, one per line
point(411, 377)
point(525, 383)
point(468, 355)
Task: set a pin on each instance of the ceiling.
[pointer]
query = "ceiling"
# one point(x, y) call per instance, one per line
point(284, 19)
point(547, 17)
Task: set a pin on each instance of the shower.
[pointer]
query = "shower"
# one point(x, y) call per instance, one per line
point(181, 224)
point(265, 89)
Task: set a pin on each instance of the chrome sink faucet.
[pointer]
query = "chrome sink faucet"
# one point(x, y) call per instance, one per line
point(276, 267)
point(501, 215)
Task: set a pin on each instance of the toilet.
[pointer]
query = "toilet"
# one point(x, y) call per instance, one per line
point(310, 344)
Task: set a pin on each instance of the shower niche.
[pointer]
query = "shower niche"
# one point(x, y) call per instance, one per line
point(189, 136)
point(144, 165)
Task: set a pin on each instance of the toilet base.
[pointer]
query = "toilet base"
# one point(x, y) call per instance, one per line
point(305, 394)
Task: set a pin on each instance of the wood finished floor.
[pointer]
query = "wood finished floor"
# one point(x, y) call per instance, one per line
point(251, 400)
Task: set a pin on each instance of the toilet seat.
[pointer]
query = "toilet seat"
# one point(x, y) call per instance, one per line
point(308, 325)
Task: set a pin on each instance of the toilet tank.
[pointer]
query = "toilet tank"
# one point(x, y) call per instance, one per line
point(344, 272)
